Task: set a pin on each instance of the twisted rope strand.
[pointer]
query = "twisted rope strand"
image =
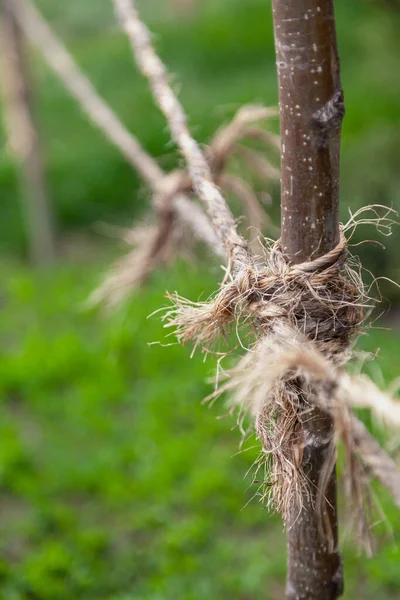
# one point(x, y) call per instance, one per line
point(154, 70)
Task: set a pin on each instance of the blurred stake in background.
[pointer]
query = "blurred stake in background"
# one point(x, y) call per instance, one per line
point(23, 140)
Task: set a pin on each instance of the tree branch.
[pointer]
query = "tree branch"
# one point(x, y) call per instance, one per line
point(311, 110)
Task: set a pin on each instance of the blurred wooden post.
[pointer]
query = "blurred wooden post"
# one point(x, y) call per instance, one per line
point(311, 112)
point(23, 137)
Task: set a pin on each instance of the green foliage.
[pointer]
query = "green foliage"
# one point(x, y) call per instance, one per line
point(115, 481)
point(222, 54)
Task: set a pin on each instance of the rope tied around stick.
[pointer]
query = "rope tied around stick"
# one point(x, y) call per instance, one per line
point(301, 320)
point(316, 298)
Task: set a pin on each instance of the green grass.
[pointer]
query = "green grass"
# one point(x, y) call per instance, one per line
point(115, 482)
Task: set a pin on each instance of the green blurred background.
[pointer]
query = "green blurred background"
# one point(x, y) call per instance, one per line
point(114, 481)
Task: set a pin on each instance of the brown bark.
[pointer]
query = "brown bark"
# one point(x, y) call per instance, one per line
point(23, 137)
point(314, 565)
point(311, 111)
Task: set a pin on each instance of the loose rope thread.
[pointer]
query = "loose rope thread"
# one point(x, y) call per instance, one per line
point(303, 318)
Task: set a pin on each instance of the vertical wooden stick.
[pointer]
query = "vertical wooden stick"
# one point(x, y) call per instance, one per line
point(311, 112)
point(23, 137)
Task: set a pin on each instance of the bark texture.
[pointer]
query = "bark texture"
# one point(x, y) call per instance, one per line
point(311, 112)
point(314, 569)
point(23, 137)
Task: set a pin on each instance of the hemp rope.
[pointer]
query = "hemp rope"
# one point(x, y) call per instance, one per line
point(153, 68)
point(303, 318)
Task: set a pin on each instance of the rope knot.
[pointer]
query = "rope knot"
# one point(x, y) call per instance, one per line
point(245, 281)
point(314, 297)
point(302, 318)
point(318, 299)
